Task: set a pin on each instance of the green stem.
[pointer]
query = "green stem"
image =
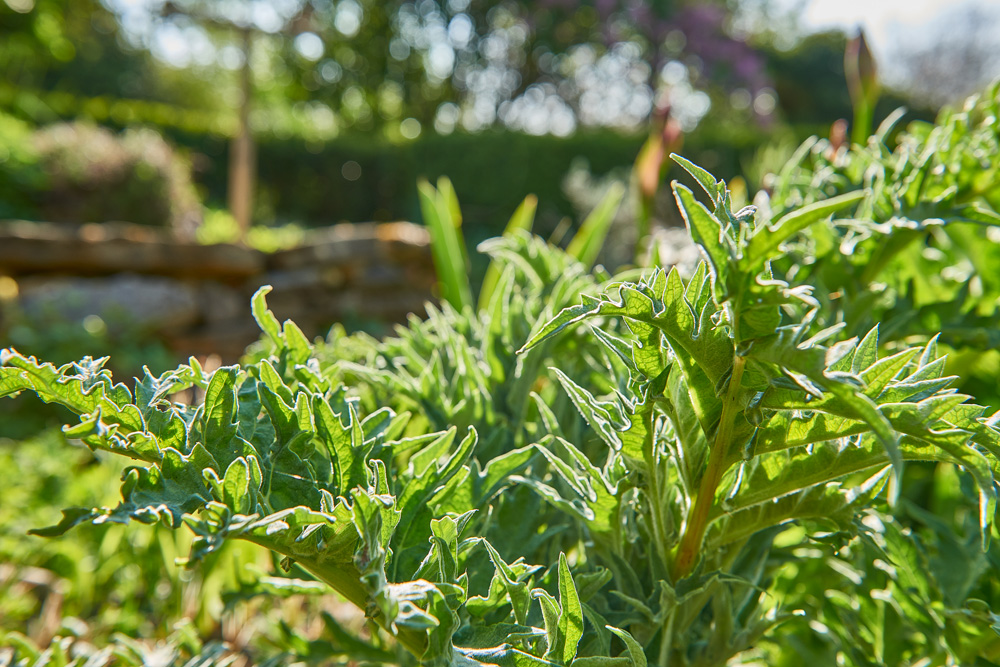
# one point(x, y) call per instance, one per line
point(694, 530)
point(346, 580)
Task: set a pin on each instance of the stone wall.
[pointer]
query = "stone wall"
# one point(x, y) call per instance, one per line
point(196, 298)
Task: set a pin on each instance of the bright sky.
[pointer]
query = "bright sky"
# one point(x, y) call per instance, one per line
point(878, 16)
point(892, 24)
point(884, 21)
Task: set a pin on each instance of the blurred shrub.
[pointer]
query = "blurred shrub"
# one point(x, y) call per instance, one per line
point(94, 175)
point(219, 226)
point(20, 173)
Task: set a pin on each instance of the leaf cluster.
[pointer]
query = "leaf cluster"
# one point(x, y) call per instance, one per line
point(916, 252)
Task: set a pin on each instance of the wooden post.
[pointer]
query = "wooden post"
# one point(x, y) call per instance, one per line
point(242, 158)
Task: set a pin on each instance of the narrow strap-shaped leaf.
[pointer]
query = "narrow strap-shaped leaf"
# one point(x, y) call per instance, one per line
point(775, 475)
point(586, 480)
point(517, 590)
point(599, 417)
point(496, 475)
point(447, 247)
point(522, 220)
point(589, 239)
point(831, 503)
point(566, 317)
point(866, 410)
point(602, 661)
point(710, 349)
point(504, 655)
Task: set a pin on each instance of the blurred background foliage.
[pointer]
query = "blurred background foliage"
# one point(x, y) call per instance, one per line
point(353, 100)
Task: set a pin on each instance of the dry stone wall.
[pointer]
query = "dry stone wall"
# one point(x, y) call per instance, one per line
point(196, 298)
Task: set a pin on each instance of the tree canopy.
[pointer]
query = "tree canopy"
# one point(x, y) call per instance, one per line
point(327, 65)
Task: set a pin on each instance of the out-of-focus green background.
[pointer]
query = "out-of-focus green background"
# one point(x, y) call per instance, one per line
point(351, 101)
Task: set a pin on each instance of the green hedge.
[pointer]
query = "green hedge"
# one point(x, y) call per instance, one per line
point(304, 182)
point(492, 172)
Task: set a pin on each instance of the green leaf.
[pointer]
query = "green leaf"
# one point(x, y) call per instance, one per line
point(442, 560)
point(709, 184)
point(504, 655)
point(604, 417)
point(867, 352)
point(498, 472)
point(522, 220)
point(709, 233)
point(417, 499)
point(878, 375)
point(570, 617)
point(266, 320)
point(826, 503)
point(239, 488)
point(763, 244)
point(588, 482)
point(447, 246)
point(774, 475)
point(297, 346)
point(632, 647)
point(347, 454)
point(86, 389)
point(489, 636)
point(353, 646)
point(71, 517)
point(218, 425)
point(588, 241)
point(866, 410)
point(512, 579)
point(659, 301)
point(602, 661)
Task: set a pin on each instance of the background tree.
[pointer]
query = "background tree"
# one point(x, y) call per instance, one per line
point(68, 58)
point(539, 67)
